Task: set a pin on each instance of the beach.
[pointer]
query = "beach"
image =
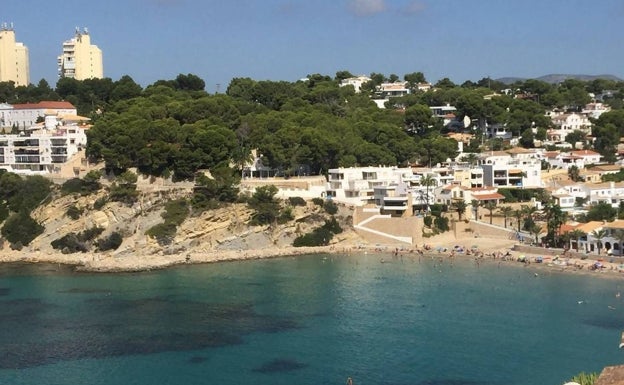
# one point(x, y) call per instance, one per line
point(444, 246)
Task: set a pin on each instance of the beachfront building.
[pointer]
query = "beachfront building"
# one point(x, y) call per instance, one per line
point(80, 59)
point(355, 185)
point(448, 195)
point(585, 243)
point(23, 116)
point(356, 82)
point(613, 242)
point(14, 66)
point(45, 147)
point(504, 169)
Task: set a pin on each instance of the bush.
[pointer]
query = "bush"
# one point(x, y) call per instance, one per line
point(73, 212)
point(20, 227)
point(318, 201)
point(428, 220)
point(176, 211)
point(164, 233)
point(442, 223)
point(320, 236)
point(124, 193)
point(112, 242)
point(99, 203)
point(286, 215)
point(330, 207)
point(76, 242)
point(296, 201)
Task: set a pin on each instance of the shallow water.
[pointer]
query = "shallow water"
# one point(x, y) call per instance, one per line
point(307, 320)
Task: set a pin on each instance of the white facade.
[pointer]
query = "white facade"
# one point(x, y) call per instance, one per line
point(23, 116)
point(356, 185)
point(501, 170)
point(356, 82)
point(567, 123)
point(396, 89)
point(594, 110)
point(45, 148)
point(609, 192)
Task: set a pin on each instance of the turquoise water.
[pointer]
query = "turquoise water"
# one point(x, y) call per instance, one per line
point(308, 320)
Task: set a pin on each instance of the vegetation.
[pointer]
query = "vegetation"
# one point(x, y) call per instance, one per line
point(585, 378)
point(176, 211)
point(88, 185)
point(21, 228)
point(112, 242)
point(76, 242)
point(321, 236)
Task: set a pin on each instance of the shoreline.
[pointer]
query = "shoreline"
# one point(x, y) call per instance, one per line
point(492, 252)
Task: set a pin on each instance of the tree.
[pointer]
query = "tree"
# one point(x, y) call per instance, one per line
point(475, 206)
point(418, 119)
point(518, 214)
point(599, 235)
point(536, 230)
point(490, 206)
point(574, 173)
point(577, 234)
point(555, 217)
point(428, 181)
point(460, 206)
point(602, 211)
point(21, 228)
point(507, 212)
point(528, 212)
point(265, 206)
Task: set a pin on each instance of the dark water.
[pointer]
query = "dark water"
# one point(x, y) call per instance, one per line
point(307, 320)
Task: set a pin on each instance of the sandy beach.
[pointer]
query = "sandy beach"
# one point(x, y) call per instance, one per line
point(482, 250)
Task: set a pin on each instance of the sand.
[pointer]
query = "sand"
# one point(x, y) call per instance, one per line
point(482, 249)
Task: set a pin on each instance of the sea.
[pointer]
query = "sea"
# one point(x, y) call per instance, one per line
point(319, 319)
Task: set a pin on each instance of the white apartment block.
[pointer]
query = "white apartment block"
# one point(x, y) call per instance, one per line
point(356, 185)
point(608, 192)
point(23, 116)
point(500, 169)
point(80, 59)
point(45, 147)
point(14, 65)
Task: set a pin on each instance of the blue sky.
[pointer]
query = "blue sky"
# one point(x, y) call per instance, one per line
point(289, 39)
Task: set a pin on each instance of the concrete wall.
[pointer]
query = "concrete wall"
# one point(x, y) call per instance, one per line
point(487, 230)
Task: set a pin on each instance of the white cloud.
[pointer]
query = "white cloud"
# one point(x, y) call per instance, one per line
point(367, 7)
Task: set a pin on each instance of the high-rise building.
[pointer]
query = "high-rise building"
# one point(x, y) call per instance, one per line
point(13, 58)
point(80, 59)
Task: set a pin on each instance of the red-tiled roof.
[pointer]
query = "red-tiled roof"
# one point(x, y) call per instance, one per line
point(487, 197)
point(44, 105)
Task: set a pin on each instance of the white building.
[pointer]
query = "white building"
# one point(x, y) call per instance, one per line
point(23, 116)
point(392, 90)
point(356, 82)
point(565, 124)
point(594, 110)
point(45, 147)
point(500, 169)
point(356, 185)
point(608, 192)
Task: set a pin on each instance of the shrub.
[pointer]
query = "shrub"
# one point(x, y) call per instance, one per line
point(320, 236)
point(100, 202)
point(266, 208)
point(330, 207)
point(318, 201)
point(176, 211)
point(73, 212)
point(442, 223)
point(76, 242)
point(112, 242)
point(164, 233)
point(20, 227)
point(124, 193)
point(428, 220)
point(296, 201)
point(286, 215)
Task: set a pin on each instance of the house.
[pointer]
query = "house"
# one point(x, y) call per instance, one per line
point(595, 109)
point(565, 124)
point(503, 169)
point(23, 116)
point(392, 90)
point(356, 82)
point(585, 243)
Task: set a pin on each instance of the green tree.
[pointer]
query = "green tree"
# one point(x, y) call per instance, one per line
point(21, 228)
point(490, 206)
point(507, 212)
point(475, 207)
point(574, 173)
point(460, 206)
point(266, 207)
point(602, 211)
point(536, 230)
point(577, 234)
point(599, 235)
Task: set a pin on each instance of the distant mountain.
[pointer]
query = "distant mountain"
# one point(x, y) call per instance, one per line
point(558, 78)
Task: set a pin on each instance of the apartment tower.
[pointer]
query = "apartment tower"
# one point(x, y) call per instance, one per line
point(80, 59)
point(13, 58)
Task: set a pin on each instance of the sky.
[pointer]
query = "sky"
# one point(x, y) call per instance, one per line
point(219, 40)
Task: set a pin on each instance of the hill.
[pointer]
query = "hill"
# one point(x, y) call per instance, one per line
point(558, 78)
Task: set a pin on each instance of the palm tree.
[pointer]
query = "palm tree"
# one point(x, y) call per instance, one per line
point(577, 234)
point(528, 212)
point(506, 211)
point(428, 181)
point(555, 217)
point(518, 215)
point(475, 206)
point(460, 206)
point(471, 158)
point(490, 206)
point(536, 230)
point(599, 236)
point(619, 235)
